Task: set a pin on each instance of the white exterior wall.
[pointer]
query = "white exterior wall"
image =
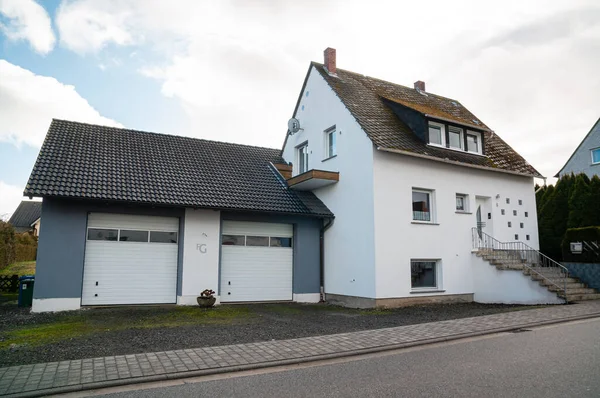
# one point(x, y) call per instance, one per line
point(496, 286)
point(349, 242)
point(201, 240)
point(398, 239)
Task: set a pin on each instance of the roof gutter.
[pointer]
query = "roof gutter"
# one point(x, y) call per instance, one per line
point(454, 162)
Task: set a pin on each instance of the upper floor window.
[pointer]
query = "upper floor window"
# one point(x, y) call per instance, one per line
point(436, 133)
point(474, 142)
point(455, 137)
point(596, 155)
point(302, 155)
point(330, 143)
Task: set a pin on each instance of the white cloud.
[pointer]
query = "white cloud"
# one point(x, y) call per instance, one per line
point(87, 26)
point(527, 69)
point(10, 197)
point(27, 20)
point(28, 102)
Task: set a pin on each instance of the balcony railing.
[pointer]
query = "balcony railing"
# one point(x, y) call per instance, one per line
point(421, 215)
point(531, 259)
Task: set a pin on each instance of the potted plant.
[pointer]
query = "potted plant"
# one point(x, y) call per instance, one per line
point(206, 298)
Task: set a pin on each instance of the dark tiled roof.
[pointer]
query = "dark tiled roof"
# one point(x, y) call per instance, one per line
point(365, 98)
point(26, 214)
point(79, 160)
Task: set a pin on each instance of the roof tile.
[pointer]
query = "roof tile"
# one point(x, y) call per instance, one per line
point(80, 160)
point(364, 97)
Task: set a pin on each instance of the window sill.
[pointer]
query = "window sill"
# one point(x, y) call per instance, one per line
point(331, 157)
point(463, 212)
point(424, 222)
point(425, 291)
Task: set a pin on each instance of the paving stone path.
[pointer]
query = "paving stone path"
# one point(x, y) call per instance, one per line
point(81, 374)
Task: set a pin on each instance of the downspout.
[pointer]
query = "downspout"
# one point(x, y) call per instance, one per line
point(325, 227)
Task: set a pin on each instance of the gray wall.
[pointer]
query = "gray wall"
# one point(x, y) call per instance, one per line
point(581, 161)
point(588, 273)
point(61, 245)
point(306, 276)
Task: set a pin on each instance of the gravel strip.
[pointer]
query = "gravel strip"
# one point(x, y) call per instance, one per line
point(266, 322)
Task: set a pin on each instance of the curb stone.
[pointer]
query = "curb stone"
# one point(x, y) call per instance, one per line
point(285, 362)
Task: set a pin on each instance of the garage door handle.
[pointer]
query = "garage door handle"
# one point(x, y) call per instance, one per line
point(229, 283)
point(96, 283)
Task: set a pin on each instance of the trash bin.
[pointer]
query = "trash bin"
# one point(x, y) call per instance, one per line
point(26, 283)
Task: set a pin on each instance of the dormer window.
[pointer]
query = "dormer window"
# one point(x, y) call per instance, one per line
point(474, 142)
point(455, 137)
point(437, 134)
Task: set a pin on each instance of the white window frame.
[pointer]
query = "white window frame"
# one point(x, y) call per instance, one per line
point(330, 133)
point(299, 149)
point(465, 199)
point(479, 142)
point(432, 204)
point(438, 275)
point(442, 128)
point(461, 137)
point(592, 154)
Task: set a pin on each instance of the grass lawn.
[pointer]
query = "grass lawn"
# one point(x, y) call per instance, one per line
point(68, 325)
point(21, 268)
point(8, 298)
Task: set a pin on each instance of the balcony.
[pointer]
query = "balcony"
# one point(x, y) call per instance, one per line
point(313, 179)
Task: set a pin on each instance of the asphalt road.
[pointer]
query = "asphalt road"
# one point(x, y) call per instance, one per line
point(557, 361)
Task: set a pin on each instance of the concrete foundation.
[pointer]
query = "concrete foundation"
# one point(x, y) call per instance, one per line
point(394, 302)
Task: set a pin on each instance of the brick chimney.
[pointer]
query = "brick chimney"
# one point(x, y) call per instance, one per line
point(329, 60)
point(420, 86)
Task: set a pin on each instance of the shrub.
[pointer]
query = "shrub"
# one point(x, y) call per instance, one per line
point(7, 244)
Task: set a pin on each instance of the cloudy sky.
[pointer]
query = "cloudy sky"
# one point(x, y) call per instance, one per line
point(232, 70)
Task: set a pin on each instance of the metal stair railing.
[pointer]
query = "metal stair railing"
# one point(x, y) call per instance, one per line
point(522, 254)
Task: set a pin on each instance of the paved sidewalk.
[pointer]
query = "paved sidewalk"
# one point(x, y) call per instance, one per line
point(65, 376)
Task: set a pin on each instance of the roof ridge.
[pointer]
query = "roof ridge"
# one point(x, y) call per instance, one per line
point(389, 82)
point(162, 134)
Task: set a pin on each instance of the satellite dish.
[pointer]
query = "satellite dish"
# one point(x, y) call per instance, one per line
point(294, 125)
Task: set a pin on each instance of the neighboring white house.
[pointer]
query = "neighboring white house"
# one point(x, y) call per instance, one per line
point(408, 175)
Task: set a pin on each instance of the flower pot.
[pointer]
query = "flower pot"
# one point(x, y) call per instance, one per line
point(206, 302)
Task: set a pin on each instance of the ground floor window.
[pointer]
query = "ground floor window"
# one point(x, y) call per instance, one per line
point(424, 274)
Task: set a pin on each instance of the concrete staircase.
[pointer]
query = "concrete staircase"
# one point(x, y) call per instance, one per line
point(552, 278)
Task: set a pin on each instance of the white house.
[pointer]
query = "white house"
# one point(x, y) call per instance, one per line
point(409, 175)
point(394, 195)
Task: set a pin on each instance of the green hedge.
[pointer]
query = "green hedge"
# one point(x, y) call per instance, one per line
point(15, 247)
point(572, 203)
point(7, 244)
point(586, 234)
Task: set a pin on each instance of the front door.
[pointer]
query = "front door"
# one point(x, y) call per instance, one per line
point(483, 216)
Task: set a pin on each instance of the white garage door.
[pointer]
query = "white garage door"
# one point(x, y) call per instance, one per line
point(130, 259)
point(256, 261)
